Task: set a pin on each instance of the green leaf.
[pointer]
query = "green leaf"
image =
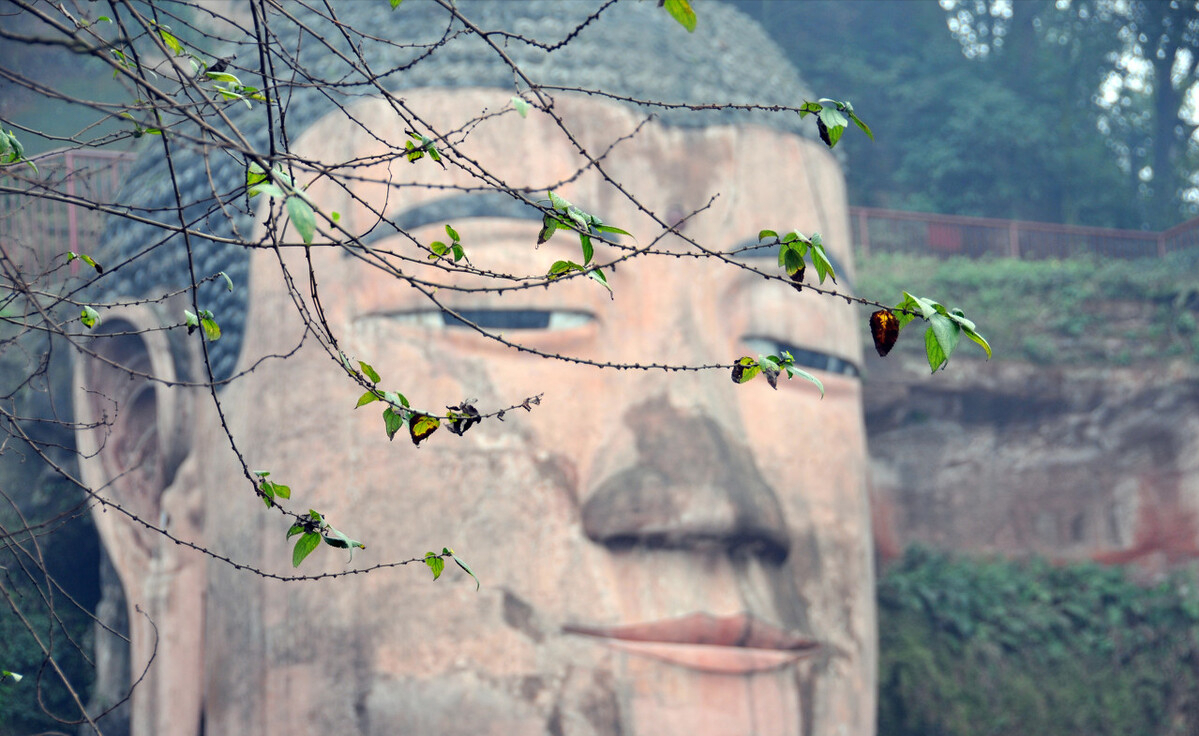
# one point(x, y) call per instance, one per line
point(764, 234)
point(439, 249)
point(191, 320)
point(459, 254)
point(270, 190)
point(335, 216)
point(223, 77)
point(72, 255)
point(926, 307)
point(212, 330)
point(268, 492)
point(255, 175)
point(304, 547)
point(452, 233)
point(370, 372)
point(335, 538)
point(395, 399)
point(561, 268)
point(294, 530)
point(435, 563)
point(282, 491)
point(579, 217)
point(793, 263)
point(549, 224)
point(598, 276)
point(465, 567)
point(6, 675)
point(366, 398)
point(932, 348)
point(681, 11)
point(169, 39)
point(947, 332)
point(521, 106)
point(559, 203)
point(615, 230)
point(395, 3)
point(861, 125)
point(793, 372)
point(89, 317)
point(228, 281)
point(302, 217)
point(824, 267)
point(980, 340)
point(833, 117)
point(588, 250)
point(392, 421)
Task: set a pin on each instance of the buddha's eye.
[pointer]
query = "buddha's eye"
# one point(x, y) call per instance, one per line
point(804, 357)
point(496, 319)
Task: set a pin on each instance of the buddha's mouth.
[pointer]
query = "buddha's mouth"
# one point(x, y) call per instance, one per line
point(734, 645)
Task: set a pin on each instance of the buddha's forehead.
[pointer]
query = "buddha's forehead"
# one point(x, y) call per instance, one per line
point(610, 159)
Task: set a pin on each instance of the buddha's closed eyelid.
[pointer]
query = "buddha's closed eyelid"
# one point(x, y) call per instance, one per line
point(804, 357)
point(493, 319)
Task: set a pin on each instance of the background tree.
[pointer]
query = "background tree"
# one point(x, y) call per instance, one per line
point(1035, 110)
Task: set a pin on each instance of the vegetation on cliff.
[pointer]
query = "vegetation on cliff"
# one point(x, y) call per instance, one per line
point(1083, 311)
point(997, 647)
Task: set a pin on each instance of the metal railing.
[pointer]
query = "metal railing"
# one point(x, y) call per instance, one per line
point(919, 233)
point(38, 221)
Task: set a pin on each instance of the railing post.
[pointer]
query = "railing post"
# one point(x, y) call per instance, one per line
point(1013, 240)
point(72, 221)
point(863, 233)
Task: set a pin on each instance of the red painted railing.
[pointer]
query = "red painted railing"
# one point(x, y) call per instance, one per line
point(891, 231)
point(38, 223)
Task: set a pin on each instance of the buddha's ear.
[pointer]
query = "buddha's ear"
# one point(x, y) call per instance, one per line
point(134, 439)
point(132, 419)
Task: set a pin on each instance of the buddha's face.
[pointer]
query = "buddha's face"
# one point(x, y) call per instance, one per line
point(660, 552)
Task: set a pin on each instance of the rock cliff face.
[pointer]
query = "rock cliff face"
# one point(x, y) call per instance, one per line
point(1073, 463)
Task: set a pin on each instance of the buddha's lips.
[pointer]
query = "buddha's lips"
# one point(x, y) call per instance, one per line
point(729, 644)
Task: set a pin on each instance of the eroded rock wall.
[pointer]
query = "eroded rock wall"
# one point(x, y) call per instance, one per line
point(1072, 463)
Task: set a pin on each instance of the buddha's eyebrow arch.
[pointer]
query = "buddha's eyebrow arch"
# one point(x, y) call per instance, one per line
point(743, 250)
point(449, 209)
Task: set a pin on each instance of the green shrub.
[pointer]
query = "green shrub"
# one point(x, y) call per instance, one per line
point(996, 648)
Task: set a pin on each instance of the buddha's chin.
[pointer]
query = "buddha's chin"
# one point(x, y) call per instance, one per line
point(673, 700)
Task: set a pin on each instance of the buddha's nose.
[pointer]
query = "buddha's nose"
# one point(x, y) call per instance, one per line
point(692, 484)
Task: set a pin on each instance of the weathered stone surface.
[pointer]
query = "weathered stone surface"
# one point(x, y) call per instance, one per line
point(627, 501)
point(1073, 463)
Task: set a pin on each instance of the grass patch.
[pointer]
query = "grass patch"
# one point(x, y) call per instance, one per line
point(1053, 312)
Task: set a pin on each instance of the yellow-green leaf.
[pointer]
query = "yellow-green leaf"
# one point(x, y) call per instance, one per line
point(681, 11)
point(435, 563)
point(89, 317)
point(420, 426)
